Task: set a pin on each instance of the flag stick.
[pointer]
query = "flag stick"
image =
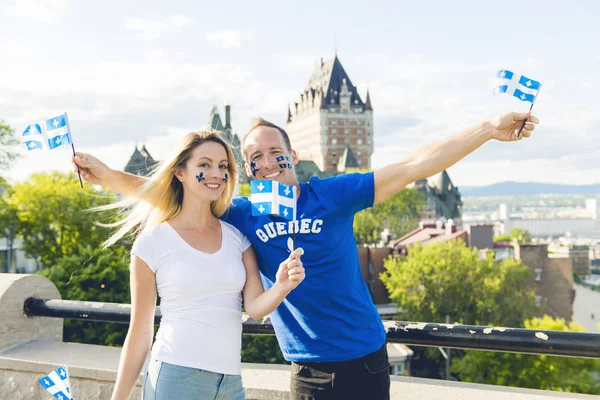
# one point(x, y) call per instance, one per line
point(532, 103)
point(295, 218)
point(73, 147)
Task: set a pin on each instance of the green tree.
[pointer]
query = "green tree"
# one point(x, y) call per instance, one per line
point(517, 234)
point(399, 214)
point(261, 349)
point(449, 280)
point(53, 216)
point(532, 371)
point(244, 189)
point(8, 226)
point(8, 146)
point(93, 274)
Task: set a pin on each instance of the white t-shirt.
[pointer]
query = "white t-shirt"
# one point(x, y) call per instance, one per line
point(200, 298)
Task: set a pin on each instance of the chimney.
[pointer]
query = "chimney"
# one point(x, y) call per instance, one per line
point(227, 116)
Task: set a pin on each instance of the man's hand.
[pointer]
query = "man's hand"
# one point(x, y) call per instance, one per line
point(506, 127)
point(291, 271)
point(92, 170)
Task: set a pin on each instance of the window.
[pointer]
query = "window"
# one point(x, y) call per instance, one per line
point(359, 132)
point(334, 164)
point(359, 162)
point(334, 141)
point(359, 123)
point(333, 154)
point(333, 131)
point(346, 122)
point(538, 301)
point(538, 274)
point(359, 153)
point(347, 141)
point(359, 141)
point(346, 132)
point(369, 141)
point(334, 122)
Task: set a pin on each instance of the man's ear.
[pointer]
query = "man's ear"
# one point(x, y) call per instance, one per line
point(294, 157)
point(248, 170)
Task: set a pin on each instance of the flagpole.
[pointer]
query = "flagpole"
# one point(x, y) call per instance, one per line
point(296, 227)
point(532, 103)
point(73, 147)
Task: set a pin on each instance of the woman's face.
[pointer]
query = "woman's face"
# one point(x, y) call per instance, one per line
point(206, 172)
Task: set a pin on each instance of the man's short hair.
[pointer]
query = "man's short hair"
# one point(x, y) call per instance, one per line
point(258, 122)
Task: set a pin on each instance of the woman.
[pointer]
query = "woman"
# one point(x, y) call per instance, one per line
point(199, 265)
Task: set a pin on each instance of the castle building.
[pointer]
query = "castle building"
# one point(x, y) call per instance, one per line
point(330, 124)
point(443, 200)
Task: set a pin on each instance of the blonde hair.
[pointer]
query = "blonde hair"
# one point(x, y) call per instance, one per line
point(160, 197)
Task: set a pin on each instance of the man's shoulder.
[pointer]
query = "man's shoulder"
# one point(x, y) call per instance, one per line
point(240, 202)
point(315, 182)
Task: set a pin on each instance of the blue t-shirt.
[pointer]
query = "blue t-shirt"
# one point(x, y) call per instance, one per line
point(330, 316)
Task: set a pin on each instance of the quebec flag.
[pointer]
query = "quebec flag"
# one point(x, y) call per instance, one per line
point(57, 129)
point(273, 198)
point(33, 137)
point(519, 86)
point(57, 383)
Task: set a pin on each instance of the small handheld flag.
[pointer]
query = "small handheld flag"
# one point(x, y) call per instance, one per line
point(57, 383)
point(273, 198)
point(519, 86)
point(55, 132)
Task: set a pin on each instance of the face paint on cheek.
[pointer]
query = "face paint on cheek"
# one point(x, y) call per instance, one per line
point(284, 165)
point(226, 178)
point(200, 177)
point(253, 168)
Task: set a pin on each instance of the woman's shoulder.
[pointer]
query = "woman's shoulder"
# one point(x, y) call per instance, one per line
point(234, 234)
point(150, 234)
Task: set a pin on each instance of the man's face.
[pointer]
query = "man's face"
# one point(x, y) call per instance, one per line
point(264, 148)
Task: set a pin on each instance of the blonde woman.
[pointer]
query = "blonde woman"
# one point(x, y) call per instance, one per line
point(200, 266)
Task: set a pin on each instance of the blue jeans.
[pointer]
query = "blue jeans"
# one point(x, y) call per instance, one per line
point(167, 381)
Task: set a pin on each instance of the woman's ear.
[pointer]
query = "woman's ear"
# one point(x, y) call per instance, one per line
point(178, 174)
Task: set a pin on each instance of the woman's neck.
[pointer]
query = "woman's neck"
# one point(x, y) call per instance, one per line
point(196, 215)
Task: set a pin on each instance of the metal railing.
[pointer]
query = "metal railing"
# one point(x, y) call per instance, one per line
point(469, 337)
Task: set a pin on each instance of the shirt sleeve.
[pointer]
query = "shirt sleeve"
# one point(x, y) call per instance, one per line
point(348, 193)
point(143, 247)
point(245, 242)
point(235, 213)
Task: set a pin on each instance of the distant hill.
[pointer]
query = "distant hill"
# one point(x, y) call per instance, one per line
point(527, 188)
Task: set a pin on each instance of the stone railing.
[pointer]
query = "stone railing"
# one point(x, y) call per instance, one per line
point(32, 346)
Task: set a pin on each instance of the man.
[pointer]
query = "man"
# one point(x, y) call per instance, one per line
point(328, 327)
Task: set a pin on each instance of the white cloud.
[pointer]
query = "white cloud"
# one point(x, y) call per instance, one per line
point(154, 29)
point(47, 11)
point(229, 38)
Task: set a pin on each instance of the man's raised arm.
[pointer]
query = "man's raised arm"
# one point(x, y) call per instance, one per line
point(96, 172)
point(434, 158)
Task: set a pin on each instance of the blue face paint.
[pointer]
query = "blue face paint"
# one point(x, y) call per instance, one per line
point(226, 178)
point(253, 168)
point(284, 165)
point(200, 177)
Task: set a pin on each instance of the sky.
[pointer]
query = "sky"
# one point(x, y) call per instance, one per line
point(128, 74)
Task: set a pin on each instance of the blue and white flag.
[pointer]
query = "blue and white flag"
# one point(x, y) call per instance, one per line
point(57, 129)
point(57, 384)
point(519, 86)
point(273, 198)
point(33, 138)
point(53, 131)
